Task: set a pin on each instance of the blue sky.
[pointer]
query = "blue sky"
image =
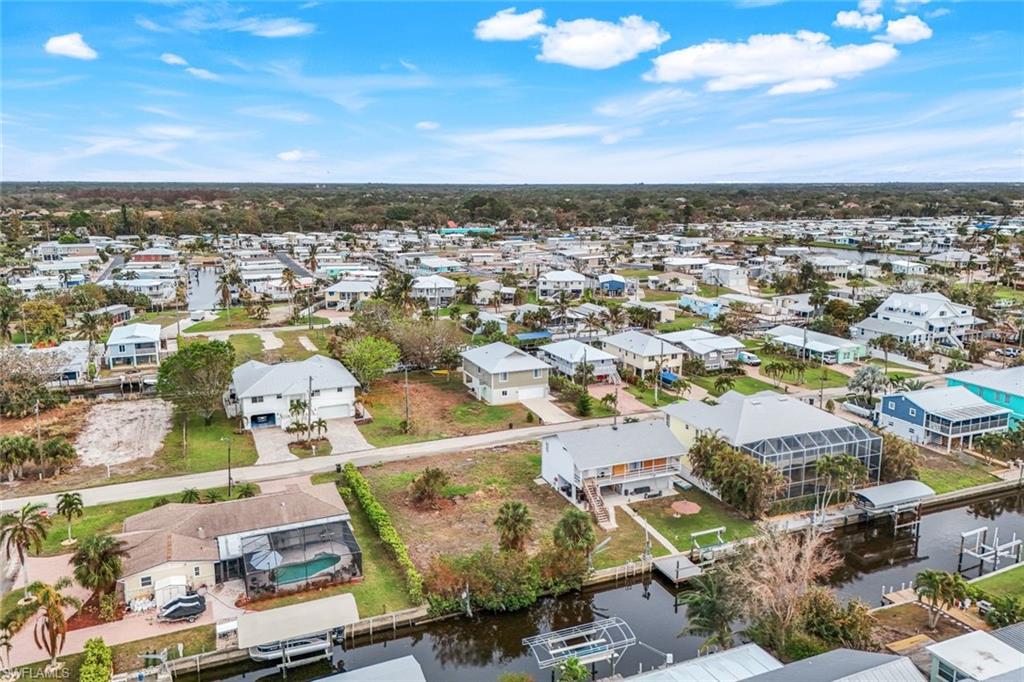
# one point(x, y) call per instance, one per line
point(584, 92)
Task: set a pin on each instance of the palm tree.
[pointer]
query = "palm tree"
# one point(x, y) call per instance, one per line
point(776, 370)
point(10, 306)
point(514, 525)
point(311, 261)
point(320, 426)
point(593, 321)
point(69, 505)
point(724, 383)
point(682, 385)
point(887, 343)
point(399, 290)
point(58, 453)
point(246, 490)
point(617, 318)
point(224, 284)
point(24, 530)
point(98, 562)
point(90, 328)
point(574, 531)
point(189, 496)
point(940, 589)
point(51, 622)
point(561, 307)
point(710, 610)
point(469, 292)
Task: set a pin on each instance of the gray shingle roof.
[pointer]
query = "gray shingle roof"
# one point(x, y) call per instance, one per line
point(607, 445)
point(290, 378)
point(845, 665)
point(501, 357)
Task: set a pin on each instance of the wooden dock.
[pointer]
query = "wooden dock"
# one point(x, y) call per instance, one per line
point(677, 568)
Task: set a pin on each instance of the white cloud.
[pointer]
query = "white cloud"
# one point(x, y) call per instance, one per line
point(594, 44)
point(151, 25)
point(556, 131)
point(293, 155)
point(798, 62)
point(649, 104)
point(909, 29)
point(278, 113)
point(223, 17)
point(284, 27)
point(170, 132)
point(202, 74)
point(616, 136)
point(939, 12)
point(409, 66)
point(159, 111)
point(507, 25)
point(70, 45)
point(173, 59)
point(869, 6)
point(428, 125)
point(854, 19)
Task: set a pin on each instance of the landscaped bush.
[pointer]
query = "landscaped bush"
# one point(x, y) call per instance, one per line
point(380, 520)
point(97, 663)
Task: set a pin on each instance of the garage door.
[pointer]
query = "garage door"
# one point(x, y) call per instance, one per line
point(531, 392)
point(334, 411)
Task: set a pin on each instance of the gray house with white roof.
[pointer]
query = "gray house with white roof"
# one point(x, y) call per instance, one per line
point(716, 352)
point(261, 394)
point(499, 374)
point(132, 345)
point(644, 353)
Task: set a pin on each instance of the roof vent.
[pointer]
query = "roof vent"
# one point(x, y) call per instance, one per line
point(782, 398)
point(201, 532)
point(755, 402)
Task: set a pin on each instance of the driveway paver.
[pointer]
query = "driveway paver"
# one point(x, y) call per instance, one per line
point(272, 445)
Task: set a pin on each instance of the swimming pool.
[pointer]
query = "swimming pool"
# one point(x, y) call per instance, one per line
point(296, 573)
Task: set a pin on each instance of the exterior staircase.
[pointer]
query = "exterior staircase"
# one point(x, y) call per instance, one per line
point(595, 502)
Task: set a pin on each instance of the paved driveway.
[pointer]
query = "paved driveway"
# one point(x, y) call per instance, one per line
point(548, 412)
point(272, 445)
point(345, 436)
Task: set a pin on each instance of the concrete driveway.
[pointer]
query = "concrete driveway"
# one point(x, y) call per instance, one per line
point(344, 436)
point(272, 445)
point(548, 412)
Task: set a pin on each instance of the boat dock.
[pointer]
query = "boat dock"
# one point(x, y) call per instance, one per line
point(677, 568)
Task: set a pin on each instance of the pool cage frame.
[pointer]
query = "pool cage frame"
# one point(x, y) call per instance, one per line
point(264, 555)
point(795, 456)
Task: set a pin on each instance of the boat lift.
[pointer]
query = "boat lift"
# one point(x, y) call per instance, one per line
point(601, 640)
point(986, 553)
point(704, 555)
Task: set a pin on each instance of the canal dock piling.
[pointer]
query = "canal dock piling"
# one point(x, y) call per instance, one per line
point(677, 568)
point(985, 552)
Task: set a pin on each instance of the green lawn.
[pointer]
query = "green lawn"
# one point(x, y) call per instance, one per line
point(812, 375)
point(1007, 584)
point(206, 450)
point(654, 296)
point(247, 346)
point(646, 396)
point(382, 588)
point(954, 476)
point(239, 319)
point(712, 291)
point(712, 514)
point(741, 384)
point(1015, 295)
point(637, 273)
point(292, 349)
point(627, 543)
point(892, 365)
point(681, 323)
point(102, 518)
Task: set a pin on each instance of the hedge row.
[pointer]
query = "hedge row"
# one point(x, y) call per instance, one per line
point(381, 522)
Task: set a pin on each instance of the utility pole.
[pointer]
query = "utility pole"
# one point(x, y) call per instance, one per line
point(309, 410)
point(408, 424)
point(38, 431)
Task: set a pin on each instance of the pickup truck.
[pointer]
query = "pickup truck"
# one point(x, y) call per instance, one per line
point(748, 358)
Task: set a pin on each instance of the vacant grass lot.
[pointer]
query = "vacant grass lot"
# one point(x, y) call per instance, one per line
point(944, 473)
point(293, 349)
point(744, 384)
point(206, 450)
point(681, 323)
point(657, 296)
point(103, 518)
point(1007, 584)
point(247, 346)
point(811, 377)
point(627, 543)
point(438, 408)
point(239, 318)
point(646, 396)
point(712, 514)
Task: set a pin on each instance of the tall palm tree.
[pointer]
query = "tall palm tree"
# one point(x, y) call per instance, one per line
point(224, 284)
point(514, 524)
point(90, 328)
point(69, 505)
point(724, 383)
point(469, 292)
point(710, 610)
point(561, 306)
point(51, 622)
point(574, 532)
point(399, 289)
point(617, 318)
point(312, 264)
point(98, 562)
point(22, 531)
point(887, 343)
point(940, 589)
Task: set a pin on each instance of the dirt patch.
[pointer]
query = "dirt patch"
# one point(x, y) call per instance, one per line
point(123, 431)
point(480, 481)
point(89, 615)
point(65, 420)
point(907, 620)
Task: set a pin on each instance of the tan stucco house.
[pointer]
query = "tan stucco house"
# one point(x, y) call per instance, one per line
point(499, 374)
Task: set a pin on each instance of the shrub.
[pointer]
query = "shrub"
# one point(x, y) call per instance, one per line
point(108, 607)
point(97, 662)
point(800, 645)
point(496, 581)
point(380, 520)
point(1005, 611)
point(584, 405)
point(429, 485)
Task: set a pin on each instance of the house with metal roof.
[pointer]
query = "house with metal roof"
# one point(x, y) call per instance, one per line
point(943, 417)
point(845, 665)
point(436, 290)
point(132, 345)
point(642, 353)
point(716, 352)
point(817, 346)
point(640, 458)
point(555, 282)
point(732, 665)
point(976, 657)
point(569, 355)
point(1003, 387)
point(778, 430)
point(262, 395)
point(928, 318)
point(499, 374)
point(347, 294)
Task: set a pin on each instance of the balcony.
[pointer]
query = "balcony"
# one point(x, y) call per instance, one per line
point(635, 474)
point(968, 428)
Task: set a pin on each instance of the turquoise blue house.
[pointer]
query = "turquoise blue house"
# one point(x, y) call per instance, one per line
point(1002, 387)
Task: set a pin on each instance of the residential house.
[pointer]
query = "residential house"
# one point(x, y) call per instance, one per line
point(569, 355)
point(553, 283)
point(499, 374)
point(262, 395)
point(1002, 387)
point(729, 276)
point(781, 431)
point(715, 352)
point(816, 345)
point(133, 345)
point(118, 313)
point(71, 360)
point(433, 265)
point(710, 308)
point(629, 459)
point(268, 542)
point(979, 656)
point(908, 267)
point(437, 291)
point(928, 318)
point(156, 290)
point(612, 284)
point(156, 254)
point(348, 294)
point(942, 417)
point(830, 267)
point(643, 353)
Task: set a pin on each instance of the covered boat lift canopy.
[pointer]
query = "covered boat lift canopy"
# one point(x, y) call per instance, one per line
point(889, 497)
point(298, 620)
point(588, 643)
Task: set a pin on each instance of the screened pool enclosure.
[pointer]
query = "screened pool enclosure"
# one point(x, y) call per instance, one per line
point(796, 456)
point(294, 558)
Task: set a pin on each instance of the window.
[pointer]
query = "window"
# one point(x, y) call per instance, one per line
point(892, 405)
point(536, 374)
point(146, 581)
point(504, 392)
point(317, 392)
point(503, 376)
point(195, 571)
point(913, 412)
point(278, 396)
point(256, 399)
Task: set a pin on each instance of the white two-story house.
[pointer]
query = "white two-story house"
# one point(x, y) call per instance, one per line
point(436, 290)
point(262, 395)
point(551, 284)
point(921, 319)
point(133, 345)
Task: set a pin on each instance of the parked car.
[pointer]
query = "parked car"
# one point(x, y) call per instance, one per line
point(748, 358)
point(1008, 352)
point(188, 607)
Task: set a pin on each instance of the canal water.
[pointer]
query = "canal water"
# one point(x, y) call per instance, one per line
point(202, 288)
point(481, 648)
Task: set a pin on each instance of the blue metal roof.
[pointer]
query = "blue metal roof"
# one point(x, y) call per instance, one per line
point(533, 336)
